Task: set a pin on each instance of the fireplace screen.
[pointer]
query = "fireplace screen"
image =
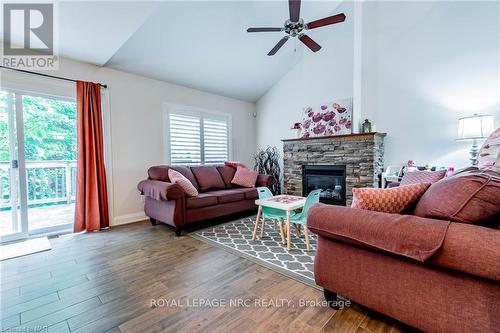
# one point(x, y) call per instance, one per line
point(329, 178)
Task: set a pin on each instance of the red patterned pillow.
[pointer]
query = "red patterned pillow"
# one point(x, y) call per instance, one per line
point(415, 177)
point(178, 178)
point(395, 200)
point(245, 177)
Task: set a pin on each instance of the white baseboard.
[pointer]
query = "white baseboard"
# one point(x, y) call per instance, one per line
point(129, 218)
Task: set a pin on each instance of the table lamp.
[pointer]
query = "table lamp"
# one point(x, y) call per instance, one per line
point(475, 127)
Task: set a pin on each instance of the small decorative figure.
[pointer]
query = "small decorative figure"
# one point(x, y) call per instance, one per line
point(367, 126)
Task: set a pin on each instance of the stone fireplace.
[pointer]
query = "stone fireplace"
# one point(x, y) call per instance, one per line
point(330, 179)
point(326, 161)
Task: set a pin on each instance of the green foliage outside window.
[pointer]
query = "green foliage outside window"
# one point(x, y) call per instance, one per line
point(49, 129)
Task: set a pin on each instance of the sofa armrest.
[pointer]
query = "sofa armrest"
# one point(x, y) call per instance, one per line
point(265, 180)
point(159, 190)
point(472, 249)
point(405, 235)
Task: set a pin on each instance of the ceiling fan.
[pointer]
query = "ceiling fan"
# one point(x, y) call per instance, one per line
point(294, 26)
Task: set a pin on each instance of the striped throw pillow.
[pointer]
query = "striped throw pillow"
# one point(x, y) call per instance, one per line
point(395, 200)
point(177, 178)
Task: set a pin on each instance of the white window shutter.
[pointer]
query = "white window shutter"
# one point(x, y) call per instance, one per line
point(185, 140)
point(215, 141)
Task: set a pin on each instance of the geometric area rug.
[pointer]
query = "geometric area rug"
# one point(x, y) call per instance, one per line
point(268, 251)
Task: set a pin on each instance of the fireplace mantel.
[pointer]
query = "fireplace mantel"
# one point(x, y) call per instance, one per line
point(362, 154)
point(345, 136)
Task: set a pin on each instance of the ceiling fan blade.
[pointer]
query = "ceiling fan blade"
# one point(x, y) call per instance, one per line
point(265, 29)
point(326, 21)
point(294, 8)
point(278, 46)
point(315, 47)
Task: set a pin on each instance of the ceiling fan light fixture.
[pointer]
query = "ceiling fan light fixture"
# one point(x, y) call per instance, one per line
point(294, 27)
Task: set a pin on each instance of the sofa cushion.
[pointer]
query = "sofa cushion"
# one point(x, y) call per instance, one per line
point(245, 177)
point(472, 249)
point(389, 200)
point(177, 178)
point(415, 177)
point(472, 196)
point(208, 178)
point(160, 172)
point(406, 235)
point(249, 193)
point(202, 200)
point(227, 174)
point(225, 196)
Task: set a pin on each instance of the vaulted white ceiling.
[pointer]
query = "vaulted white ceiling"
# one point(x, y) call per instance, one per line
point(199, 44)
point(93, 31)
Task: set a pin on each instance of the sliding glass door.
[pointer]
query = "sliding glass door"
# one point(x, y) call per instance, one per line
point(11, 226)
point(37, 164)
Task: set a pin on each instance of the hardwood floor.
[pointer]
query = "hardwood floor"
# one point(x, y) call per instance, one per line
point(116, 281)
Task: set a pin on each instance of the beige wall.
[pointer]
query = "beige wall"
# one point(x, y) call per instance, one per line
point(136, 106)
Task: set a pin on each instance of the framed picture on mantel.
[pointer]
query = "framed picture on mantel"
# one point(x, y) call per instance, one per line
point(333, 118)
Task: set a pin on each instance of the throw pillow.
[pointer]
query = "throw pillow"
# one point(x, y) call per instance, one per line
point(235, 164)
point(471, 196)
point(489, 154)
point(415, 177)
point(177, 178)
point(208, 178)
point(245, 177)
point(227, 174)
point(394, 200)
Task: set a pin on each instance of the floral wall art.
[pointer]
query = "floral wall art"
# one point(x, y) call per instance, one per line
point(334, 118)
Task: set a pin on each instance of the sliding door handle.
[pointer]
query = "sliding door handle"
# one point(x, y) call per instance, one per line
point(14, 164)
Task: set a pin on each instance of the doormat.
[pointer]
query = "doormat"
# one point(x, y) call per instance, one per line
point(22, 248)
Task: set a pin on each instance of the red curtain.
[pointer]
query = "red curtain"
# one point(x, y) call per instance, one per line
point(91, 211)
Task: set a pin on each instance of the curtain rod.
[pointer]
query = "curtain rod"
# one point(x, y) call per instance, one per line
point(46, 75)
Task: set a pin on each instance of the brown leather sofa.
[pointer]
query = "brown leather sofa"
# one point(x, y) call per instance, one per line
point(438, 275)
point(167, 203)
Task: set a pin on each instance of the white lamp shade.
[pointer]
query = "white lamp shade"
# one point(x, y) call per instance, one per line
point(475, 127)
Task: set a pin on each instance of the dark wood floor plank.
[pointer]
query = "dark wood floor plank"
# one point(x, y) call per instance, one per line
point(55, 284)
point(346, 320)
point(12, 321)
point(7, 311)
point(14, 281)
point(376, 323)
point(61, 327)
point(58, 316)
point(7, 294)
point(105, 281)
point(139, 299)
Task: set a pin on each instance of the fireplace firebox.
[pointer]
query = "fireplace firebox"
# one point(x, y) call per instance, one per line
point(331, 179)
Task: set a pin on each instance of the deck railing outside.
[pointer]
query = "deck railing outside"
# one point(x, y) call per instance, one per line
point(48, 182)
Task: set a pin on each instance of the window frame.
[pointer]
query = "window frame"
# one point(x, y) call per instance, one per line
point(202, 114)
